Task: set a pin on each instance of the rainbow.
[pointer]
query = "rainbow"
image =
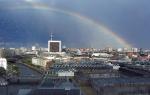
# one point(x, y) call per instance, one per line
point(99, 26)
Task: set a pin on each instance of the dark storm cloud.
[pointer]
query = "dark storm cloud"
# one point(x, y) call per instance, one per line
point(127, 18)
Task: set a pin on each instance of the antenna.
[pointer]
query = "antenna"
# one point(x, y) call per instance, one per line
point(51, 36)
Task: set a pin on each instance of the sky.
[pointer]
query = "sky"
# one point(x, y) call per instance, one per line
point(75, 22)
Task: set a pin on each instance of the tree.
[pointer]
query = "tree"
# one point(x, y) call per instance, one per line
point(2, 71)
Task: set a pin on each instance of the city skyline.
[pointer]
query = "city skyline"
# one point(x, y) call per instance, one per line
point(74, 47)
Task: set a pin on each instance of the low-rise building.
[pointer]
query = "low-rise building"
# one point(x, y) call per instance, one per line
point(3, 63)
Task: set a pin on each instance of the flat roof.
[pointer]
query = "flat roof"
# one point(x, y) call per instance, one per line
point(121, 80)
point(54, 41)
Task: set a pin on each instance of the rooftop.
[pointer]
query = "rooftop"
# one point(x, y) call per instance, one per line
point(120, 81)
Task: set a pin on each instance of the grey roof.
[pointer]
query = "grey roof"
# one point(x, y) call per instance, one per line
point(54, 92)
point(24, 91)
point(68, 85)
point(114, 81)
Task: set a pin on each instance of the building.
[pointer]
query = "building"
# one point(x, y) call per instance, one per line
point(54, 46)
point(34, 48)
point(3, 63)
point(121, 86)
point(7, 52)
point(102, 55)
point(53, 86)
point(66, 73)
point(42, 61)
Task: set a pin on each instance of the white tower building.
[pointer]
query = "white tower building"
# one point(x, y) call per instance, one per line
point(54, 45)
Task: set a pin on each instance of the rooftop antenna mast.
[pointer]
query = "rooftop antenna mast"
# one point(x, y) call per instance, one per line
point(51, 36)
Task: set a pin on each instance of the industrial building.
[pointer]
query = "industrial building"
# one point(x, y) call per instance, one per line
point(121, 86)
point(53, 86)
